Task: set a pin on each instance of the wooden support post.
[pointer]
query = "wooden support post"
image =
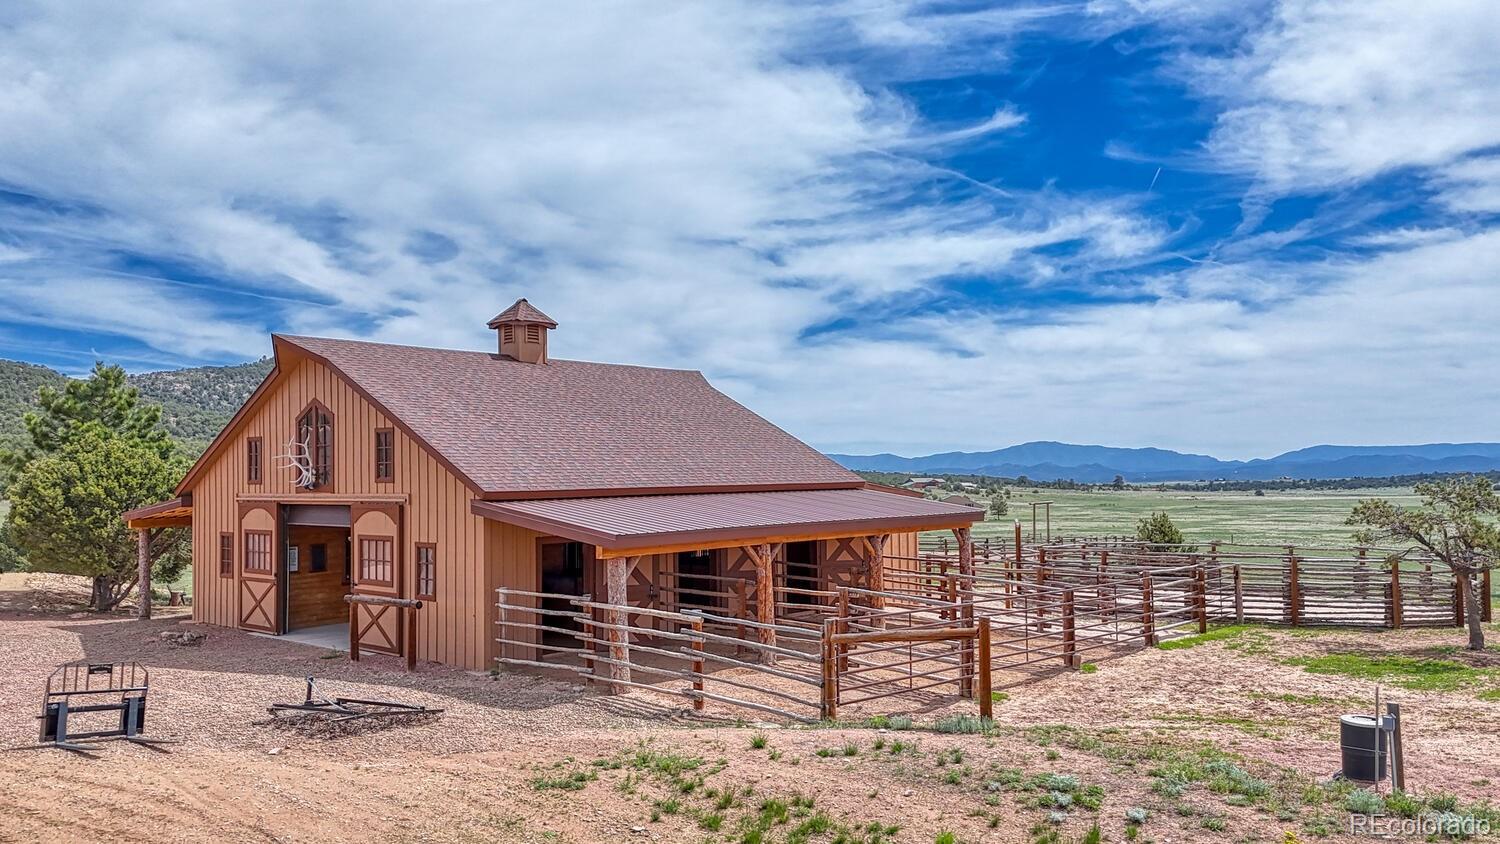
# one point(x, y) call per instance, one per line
point(1361, 571)
point(1460, 583)
point(143, 565)
point(831, 668)
point(1239, 595)
point(1200, 597)
point(966, 653)
point(353, 632)
point(1395, 594)
point(1069, 637)
point(1294, 590)
point(765, 598)
point(965, 539)
point(411, 638)
point(1148, 613)
point(875, 564)
point(950, 594)
point(698, 663)
point(1018, 543)
point(986, 697)
point(616, 617)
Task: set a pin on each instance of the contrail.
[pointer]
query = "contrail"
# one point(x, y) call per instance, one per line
point(1153, 180)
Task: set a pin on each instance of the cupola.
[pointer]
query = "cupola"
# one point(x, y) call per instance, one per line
point(523, 332)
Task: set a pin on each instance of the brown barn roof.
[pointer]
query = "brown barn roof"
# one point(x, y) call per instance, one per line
point(516, 429)
point(522, 311)
point(653, 521)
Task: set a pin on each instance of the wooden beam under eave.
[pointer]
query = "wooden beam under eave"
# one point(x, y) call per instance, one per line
point(604, 553)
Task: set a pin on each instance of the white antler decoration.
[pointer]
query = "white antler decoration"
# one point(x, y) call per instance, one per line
point(298, 458)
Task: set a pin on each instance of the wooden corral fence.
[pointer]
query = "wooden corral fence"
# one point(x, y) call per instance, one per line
point(951, 623)
point(1357, 587)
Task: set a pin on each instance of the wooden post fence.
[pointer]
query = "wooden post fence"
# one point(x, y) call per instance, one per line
point(1200, 598)
point(1294, 590)
point(1148, 614)
point(832, 666)
point(986, 697)
point(1394, 595)
point(1487, 597)
point(1239, 595)
point(1069, 636)
point(697, 627)
point(1460, 583)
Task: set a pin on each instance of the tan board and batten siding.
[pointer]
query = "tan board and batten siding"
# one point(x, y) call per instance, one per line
point(455, 629)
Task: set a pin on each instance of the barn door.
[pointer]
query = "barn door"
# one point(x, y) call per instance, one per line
point(844, 564)
point(258, 596)
point(376, 569)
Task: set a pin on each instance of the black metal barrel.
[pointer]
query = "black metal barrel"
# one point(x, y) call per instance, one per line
point(1363, 745)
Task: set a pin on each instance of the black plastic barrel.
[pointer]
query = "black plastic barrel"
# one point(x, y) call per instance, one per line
point(1363, 745)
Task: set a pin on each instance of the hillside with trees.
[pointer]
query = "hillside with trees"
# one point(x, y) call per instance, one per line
point(196, 403)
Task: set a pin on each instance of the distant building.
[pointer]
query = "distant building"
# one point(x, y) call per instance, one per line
point(962, 500)
point(921, 483)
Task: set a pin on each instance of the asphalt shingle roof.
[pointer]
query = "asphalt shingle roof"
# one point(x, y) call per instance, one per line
point(571, 426)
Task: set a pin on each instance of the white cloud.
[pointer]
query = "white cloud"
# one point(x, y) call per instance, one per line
point(607, 159)
point(1327, 94)
point(705, 185)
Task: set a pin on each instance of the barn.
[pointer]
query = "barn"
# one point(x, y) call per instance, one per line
point(440, 475)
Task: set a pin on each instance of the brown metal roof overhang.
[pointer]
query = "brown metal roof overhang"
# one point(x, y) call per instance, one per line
point(175, 513)
point(623, 523)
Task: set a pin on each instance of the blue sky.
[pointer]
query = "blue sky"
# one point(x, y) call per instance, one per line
point(1234, 228)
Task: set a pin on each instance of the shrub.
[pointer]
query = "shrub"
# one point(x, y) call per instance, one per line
point(758, 741)
point(1160, 533)
point(963, 724)
point(1362, 802)
point(1136, 815)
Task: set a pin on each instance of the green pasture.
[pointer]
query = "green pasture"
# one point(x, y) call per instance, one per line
point(1303, 518)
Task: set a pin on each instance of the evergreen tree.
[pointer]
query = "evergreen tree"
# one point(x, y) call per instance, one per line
point(66, 506)
point(1455, 524)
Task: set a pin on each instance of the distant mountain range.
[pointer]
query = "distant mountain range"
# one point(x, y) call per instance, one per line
point(197, 402)
point(1053, 461)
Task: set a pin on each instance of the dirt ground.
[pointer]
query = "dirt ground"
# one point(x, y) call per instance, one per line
point(522, 758)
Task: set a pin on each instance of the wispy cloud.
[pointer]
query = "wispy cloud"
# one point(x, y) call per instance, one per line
point(846, 214)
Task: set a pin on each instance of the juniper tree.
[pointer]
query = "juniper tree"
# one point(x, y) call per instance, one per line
point(1455, 525)
point(66, 506)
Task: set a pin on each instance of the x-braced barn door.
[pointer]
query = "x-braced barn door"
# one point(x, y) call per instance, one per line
point(259, 595)
point(376, 541)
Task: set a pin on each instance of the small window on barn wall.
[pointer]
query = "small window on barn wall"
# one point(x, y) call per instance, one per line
point(385, 455)
point(258, 551)
point(226, 555)
point(315, 436)
point(253, 452)
point(426, 571)
point(376, 560)
point(317, 557)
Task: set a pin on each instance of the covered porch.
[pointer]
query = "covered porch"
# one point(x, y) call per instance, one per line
point(149, 524)
point(766, 562)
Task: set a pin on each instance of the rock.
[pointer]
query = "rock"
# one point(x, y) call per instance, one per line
point(183, 638)
point(273, 751)
point(638, 829)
